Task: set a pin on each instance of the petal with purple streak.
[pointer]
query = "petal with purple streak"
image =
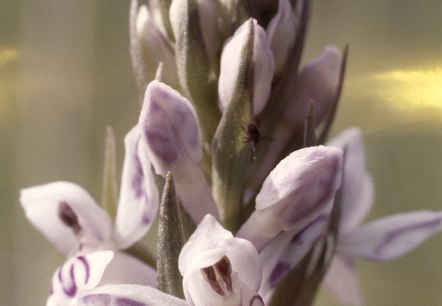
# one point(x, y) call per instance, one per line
point(42, 207)
point(390, 237)
point(77, 274)
point(130, 295)
point(169, 127)
point(294, 193)
point(139, 198)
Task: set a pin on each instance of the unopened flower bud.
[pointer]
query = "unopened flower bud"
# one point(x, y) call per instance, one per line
point(171, 135)
point(236, 56)
point(294, 193)
point(208, 22)
point(317, 83)
point(170, 128)
point(155, 48)
point(281, 34)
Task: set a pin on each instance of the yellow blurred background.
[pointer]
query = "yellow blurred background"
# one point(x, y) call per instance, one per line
point(65, 75)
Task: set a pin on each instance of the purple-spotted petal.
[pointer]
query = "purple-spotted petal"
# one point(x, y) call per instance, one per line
point(129, 295)
point(390, 237)
point(357, 186)
point(139, 197)
point(342, 281)
point(169, 127)
point(285, 251)
point(67, 215)
point(77, 274)
point(212, 250)
point(294, 193)
point(170, 132)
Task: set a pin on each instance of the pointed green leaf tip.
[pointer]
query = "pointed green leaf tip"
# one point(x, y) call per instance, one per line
point(110, 185)
point(170, 241)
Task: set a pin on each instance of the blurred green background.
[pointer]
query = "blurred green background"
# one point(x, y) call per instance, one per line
point(65, 74)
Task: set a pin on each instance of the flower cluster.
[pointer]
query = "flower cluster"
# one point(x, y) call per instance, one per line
point(255, 206)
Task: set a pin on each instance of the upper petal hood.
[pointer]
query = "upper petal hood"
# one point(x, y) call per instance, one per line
point(219, 268)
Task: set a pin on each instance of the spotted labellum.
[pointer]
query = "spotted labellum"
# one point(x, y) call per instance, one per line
point(231, 156)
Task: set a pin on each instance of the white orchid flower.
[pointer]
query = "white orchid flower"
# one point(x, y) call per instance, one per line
point(218, 269)
point(71, 219)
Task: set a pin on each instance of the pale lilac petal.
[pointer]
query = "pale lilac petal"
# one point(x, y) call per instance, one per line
point(390, 237)
point(129, 295)
point(139, 198)
point(169, 126)
point(280, 33)
point(231, 62)
point(357, 187)
point(67, 215)
point(79, 273)
point(125, 269)
point(342, 281)
point(294, 193)
point(286, 250)
point(209, 246)
point(171, 134)
point(317, 82)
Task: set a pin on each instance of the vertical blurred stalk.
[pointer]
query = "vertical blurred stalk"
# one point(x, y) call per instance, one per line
point(8, 87)
point(55, 118)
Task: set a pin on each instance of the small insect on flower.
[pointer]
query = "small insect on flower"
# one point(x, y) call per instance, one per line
point(253, 135)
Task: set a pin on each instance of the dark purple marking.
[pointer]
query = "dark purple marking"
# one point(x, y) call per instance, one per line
point(279, 271)
point(397, 233)
point(51, 290)
point(162, 146)
point(138, 177)
point(71, 289)
point(92, 299)
point(145, 216)
point(209, 275)
point(257, 299)
point(85, 263)
point(299, 237)
point(69, 217)
point(324, 189)
point(154, 107)
point(127, 302)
